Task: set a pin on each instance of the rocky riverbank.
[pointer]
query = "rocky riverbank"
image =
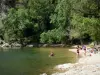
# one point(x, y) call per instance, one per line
point(7, 45)
point(87, 65)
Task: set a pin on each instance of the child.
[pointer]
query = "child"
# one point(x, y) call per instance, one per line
point(91, 52)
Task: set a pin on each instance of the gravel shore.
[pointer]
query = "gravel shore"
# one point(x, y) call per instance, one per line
point(87, 65)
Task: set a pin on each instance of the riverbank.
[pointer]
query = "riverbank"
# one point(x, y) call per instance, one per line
point(7, 45)
point(86, 65)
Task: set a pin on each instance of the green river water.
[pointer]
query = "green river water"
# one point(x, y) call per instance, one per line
point(33, 61)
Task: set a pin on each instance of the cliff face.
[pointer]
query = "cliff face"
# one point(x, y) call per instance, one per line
point(5, 5)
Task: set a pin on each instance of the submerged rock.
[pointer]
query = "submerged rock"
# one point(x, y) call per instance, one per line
point(64, 66)
point(43, 74)
point(29, 45)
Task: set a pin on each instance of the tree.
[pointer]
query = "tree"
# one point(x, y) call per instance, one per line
point(61, 21)
point(78, 28)
point(28, 21)
point(53, 36)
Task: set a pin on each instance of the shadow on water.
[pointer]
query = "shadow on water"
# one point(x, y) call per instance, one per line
point(33, 61)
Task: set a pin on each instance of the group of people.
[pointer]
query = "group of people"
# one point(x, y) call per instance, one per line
point(90, 50)
point(84, 48)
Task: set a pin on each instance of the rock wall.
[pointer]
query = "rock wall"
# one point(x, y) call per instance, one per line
point(5, 5)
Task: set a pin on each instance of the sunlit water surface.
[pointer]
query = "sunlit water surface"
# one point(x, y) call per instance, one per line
point(33, 61)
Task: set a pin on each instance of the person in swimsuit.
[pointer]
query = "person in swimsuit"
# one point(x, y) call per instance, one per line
point(78, 50)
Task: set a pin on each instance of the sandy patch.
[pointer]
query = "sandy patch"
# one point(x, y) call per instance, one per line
point(87, 65)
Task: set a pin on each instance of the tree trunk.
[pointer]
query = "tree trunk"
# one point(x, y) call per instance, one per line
point(81, 42)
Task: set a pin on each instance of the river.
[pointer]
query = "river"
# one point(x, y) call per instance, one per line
point(33, 61)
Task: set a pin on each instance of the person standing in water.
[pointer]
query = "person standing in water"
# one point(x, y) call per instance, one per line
point(84, 48)
point(78, 48)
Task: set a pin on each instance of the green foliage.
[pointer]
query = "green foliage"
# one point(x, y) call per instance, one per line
point(61, 16)
point(93, 28)
point(61, 21)
point(78, 27)
point(15, 23)
point(52, 21)
point(40, 10)
point(28, 21)
point(53, 36)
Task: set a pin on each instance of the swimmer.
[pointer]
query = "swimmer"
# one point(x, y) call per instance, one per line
point(51, 54)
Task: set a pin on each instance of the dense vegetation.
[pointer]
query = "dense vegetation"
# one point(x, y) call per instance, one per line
point(50, 21)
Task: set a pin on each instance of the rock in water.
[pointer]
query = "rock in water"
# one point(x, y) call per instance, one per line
point(43, 74)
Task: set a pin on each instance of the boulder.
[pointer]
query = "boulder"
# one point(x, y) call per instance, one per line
point(29, 45)
point(2, 42)
point(43, 74)
point(45, 45)
point(64, 66)
point(5, 45)
point(16, 45)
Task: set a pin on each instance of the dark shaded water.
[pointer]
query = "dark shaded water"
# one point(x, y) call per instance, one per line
point(33, 61)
